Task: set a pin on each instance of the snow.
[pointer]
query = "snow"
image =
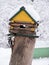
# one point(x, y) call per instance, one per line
point(9, 7)
point(42, 61)
point(5, 55)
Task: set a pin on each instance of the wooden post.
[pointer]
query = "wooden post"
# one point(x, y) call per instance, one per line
point(22, 51)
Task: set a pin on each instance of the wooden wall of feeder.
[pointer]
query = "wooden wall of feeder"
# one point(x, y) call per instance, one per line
point(22, 24)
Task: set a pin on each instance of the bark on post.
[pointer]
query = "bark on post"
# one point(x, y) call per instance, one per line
point(22, 51)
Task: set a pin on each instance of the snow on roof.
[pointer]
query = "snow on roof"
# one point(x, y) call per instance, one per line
point(29, 9)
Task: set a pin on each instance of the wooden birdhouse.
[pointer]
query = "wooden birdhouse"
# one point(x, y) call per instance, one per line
point(23, 21)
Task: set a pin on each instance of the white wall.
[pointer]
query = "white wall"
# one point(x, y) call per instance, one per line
point(41, 44)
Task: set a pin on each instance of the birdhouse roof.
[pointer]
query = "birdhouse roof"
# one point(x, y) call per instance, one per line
point(28, 12)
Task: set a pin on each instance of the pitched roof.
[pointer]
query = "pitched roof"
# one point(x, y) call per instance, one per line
point(23, 9)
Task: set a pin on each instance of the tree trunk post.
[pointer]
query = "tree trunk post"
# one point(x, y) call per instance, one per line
point(22, 52)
